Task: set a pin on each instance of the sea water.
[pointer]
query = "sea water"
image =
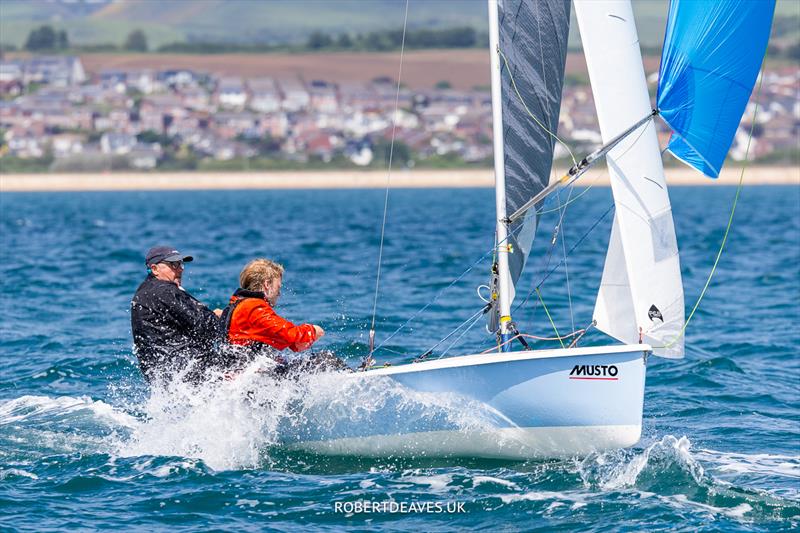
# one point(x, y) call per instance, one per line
point(85, 445)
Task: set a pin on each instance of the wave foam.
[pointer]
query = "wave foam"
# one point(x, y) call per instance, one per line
point(624, 468)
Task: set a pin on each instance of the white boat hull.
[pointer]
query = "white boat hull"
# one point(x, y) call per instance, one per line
point(532, 404)
point(503, 443)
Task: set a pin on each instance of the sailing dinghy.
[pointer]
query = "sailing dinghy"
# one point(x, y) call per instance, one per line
point(576, 400)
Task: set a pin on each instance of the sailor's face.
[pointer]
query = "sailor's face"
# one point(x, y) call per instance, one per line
point(171, 271)
point(272, 290)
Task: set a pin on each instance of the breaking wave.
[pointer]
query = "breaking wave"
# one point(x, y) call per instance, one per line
point(245, 423)
point(233, 424)
point(672, 473)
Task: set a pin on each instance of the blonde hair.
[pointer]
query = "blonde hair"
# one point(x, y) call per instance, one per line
point(257, 271)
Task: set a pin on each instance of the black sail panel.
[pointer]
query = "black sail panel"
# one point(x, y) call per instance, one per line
point(533, 38)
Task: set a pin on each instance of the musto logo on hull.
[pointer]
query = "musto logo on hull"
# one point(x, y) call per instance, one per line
point(594, 372)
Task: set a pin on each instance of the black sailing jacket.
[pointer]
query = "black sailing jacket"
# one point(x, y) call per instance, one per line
point(171, 329)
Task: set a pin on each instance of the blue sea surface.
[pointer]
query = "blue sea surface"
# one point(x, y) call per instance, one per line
point(84, 445)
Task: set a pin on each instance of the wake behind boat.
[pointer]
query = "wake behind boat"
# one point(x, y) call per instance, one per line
point(573, 401)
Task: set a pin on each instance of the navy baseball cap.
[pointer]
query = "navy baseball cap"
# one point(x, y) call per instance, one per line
point(159, 254)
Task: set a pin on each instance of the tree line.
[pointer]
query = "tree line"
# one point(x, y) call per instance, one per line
point(460, 37)
point(48, 39)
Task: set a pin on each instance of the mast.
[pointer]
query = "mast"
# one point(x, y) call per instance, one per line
point(503, 274)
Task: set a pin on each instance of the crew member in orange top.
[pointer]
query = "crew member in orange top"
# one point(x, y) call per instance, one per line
point(250, 321)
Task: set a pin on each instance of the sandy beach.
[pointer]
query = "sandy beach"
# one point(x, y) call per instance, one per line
point(349, 179)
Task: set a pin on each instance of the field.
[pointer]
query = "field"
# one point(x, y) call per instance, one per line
point(281, 21)
point(464, 69)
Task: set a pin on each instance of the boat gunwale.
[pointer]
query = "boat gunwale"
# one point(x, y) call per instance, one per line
point(505, 357)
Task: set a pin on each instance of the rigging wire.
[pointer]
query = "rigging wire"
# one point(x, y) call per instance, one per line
point(574, 334)
point(466, 330)
point(474, 318)
point(730, 217)
point(566, 266)
point(539, 294)
point(570, 201)
point(561, 209)
point(442, 291)
point(573, 200)
point(572, 248)
point(597, 178)
point(386, 195)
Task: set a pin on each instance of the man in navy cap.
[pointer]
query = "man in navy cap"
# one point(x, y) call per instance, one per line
point(173, 332)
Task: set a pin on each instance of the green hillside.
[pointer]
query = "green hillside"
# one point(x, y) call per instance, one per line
point(239, 21)
point(283, 21)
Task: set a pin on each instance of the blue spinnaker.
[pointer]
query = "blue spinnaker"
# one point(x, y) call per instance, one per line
point(710, 61)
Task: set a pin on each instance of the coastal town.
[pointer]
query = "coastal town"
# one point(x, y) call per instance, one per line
point(56, 116)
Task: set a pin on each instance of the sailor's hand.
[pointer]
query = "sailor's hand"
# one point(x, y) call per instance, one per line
point(218, 312)
point(318, 332)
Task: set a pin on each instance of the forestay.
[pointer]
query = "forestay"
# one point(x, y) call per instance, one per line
point(533, 39)
point(709, 64)
point(641, 294)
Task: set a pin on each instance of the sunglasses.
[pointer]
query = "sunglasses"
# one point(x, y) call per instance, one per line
point(174, 264)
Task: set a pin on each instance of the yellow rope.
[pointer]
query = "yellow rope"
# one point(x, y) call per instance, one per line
point(539, 294)
point(730, 220)
point(519, 96)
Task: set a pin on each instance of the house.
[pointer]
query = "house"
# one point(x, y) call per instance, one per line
point(144, 156)
point(178, 78)
point(359, 152)
point(319, 144)
point(67, 144)
point(10, 72)
point(114, 80)
point(26, 146)
point(230, 124)
point(323, 97)
point(387, 94)
point(275, 124)
point(440, 117)
point(232, 93)
point(142, 80)
point(11, 88)
point(354, 97)
point(361, 123)
point(61, 71)
point(194, 98)
point(295, 95)
point(117, 143)
point(264, 95)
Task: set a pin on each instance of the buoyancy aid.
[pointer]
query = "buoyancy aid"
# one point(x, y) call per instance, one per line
point(249, 320)
point(252, 328)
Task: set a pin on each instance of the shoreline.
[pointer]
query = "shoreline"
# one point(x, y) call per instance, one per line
point(351, 179)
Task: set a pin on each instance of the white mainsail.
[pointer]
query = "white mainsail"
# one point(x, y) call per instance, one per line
point(641, 294)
